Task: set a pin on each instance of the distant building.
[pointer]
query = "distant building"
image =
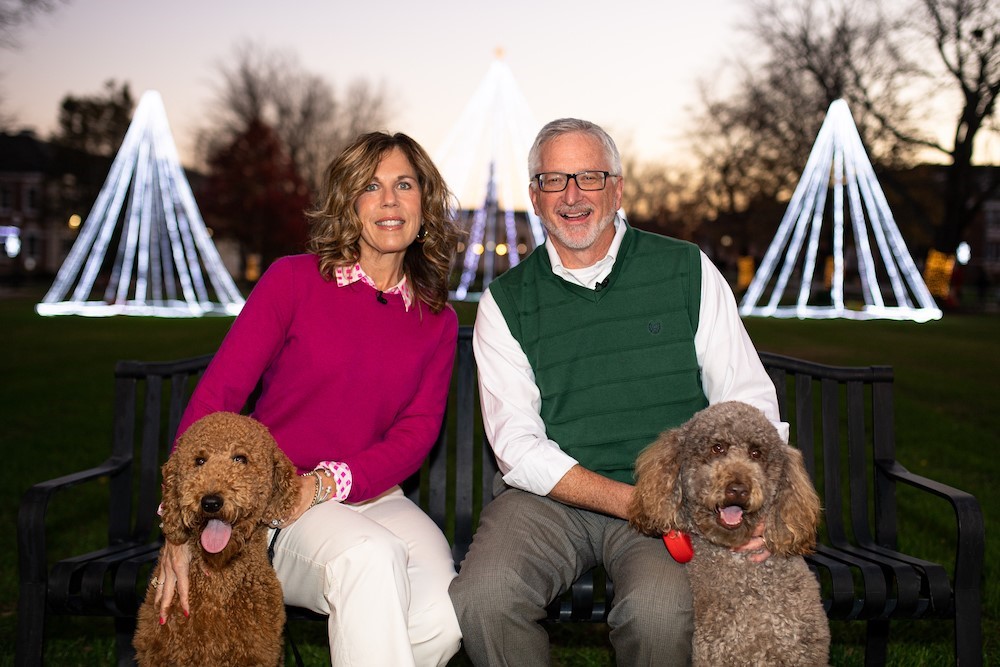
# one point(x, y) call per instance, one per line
point(982, 273)
point(976, 275)
point(45, 194)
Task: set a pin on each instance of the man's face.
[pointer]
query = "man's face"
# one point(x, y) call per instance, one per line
point(579, 222)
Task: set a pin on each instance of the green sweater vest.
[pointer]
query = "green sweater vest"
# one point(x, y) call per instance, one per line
point(615, 367)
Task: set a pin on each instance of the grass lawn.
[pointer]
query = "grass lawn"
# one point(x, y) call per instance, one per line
point(55, 403)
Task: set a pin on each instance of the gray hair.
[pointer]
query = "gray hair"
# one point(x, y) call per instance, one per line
point(563, 126)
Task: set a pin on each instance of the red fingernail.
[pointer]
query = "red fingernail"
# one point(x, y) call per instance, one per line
point(186, 613)
point(163, 621)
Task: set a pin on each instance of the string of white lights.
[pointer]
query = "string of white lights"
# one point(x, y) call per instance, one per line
point(488, 255)
point(137, 218)
point(837, 279)
point(513, 256)
point(470, 260)
point(866, 265)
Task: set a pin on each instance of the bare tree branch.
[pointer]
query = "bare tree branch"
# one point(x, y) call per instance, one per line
point(14, 14)
point(966, 37)
point(272, 87)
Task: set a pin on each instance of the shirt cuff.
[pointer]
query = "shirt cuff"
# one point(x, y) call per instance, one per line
point(340, 474)
point(540, 472)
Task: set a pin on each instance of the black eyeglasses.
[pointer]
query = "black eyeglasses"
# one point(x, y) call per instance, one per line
point(554, 181)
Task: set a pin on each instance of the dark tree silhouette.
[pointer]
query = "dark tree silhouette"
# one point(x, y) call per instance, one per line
point(95, 124)
point(254, 193)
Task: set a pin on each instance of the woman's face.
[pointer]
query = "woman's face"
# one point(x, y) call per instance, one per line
point(389, 210)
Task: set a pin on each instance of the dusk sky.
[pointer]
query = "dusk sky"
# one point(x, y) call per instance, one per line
point(629, 65)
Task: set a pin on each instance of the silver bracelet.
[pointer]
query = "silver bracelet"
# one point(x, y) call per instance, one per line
point(322, 493)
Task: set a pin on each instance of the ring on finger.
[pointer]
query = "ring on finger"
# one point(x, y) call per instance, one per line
point(155, 582)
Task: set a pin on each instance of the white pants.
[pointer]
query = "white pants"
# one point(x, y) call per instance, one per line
point(380, 570)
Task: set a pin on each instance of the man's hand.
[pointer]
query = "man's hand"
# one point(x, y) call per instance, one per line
point(756, 549)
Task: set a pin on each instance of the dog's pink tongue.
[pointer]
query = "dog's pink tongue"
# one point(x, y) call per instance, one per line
point(732, 515)
point(216, 535)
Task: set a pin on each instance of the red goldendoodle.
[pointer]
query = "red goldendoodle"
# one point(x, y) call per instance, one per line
point(224, 483)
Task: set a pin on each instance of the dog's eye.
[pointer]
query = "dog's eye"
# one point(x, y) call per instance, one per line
point(755, 453)
point(199, 460)
point(240, 458)
point(718, 448)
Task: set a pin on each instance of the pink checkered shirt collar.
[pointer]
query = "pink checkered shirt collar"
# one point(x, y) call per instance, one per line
point(348, 275)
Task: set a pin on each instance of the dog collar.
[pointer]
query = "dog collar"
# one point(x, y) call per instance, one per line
point(679, 545)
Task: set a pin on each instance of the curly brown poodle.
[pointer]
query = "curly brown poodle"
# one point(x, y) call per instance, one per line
point(222, 485)
point(718, 477)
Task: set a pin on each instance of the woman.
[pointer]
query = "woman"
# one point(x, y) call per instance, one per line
point(353, 344)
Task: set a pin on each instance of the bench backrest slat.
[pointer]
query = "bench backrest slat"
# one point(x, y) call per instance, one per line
point(120, 512)
point(841, 421)
point(150, 398)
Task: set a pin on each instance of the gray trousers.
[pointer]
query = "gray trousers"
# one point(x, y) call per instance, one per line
point(528, 549)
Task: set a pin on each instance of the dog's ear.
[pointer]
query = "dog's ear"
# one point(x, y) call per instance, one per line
point(656, 500)
point(172, 520)
point(791, 527)
point(284, 488)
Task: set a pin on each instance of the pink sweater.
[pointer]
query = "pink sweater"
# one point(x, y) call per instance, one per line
point(345, 378)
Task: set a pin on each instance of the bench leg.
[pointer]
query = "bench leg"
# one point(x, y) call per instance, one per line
point(968, 642)
point(30, 625)
point(968, 629)
point(876, 643)
point(124, 632)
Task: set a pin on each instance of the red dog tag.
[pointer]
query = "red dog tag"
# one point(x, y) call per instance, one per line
point(679, 545)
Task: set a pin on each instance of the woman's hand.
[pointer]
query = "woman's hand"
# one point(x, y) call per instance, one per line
point(756, 549)
point(173, 577)
point(307, 492)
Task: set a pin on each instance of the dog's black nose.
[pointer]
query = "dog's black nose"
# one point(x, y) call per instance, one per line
point(211, 504)
point(736, 493)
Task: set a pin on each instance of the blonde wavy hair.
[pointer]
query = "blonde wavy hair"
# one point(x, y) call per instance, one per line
point(336, 228)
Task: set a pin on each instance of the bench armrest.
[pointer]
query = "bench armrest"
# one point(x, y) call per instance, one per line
point(31, 540)
point(967, 510)
point(968, 514)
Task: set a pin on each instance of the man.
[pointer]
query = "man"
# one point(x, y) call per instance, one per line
point(587, 350)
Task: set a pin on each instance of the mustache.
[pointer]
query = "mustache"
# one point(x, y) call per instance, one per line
point(571, 210)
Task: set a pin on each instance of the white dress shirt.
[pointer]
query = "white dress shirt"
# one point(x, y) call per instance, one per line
point(511, 403)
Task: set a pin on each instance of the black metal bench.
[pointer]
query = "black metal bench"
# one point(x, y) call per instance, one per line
point(842, 419)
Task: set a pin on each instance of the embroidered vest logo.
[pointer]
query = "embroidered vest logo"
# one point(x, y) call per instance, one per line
point(654, 327)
